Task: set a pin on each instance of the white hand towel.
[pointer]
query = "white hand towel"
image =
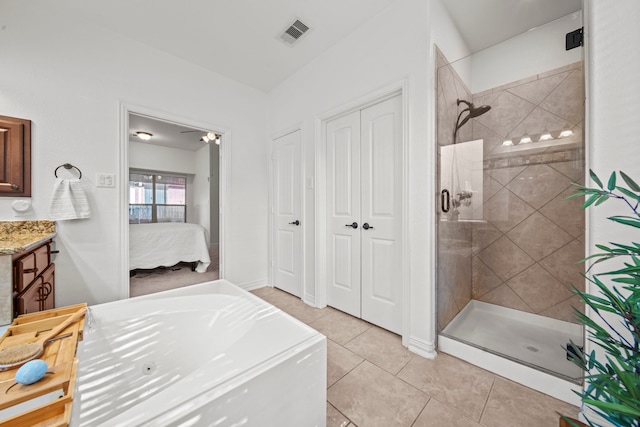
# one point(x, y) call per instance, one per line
point(68, 200)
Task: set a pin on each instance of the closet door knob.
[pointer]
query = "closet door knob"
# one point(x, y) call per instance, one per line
point(296, 222)
point(366, 226)
point(354, 225)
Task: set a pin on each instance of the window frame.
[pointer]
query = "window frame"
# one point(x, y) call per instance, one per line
point(153, 205)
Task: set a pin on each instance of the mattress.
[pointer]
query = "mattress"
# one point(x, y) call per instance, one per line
point(166, 244)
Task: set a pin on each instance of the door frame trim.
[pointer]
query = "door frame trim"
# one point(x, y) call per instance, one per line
point(123, 176)
point(271, 242)
point(397, 88)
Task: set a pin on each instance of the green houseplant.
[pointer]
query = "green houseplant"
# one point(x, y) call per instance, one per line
point(612, 378)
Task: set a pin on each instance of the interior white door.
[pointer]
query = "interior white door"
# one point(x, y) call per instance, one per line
point(381, 214)
point(364, 214)
point(343, 213)
point(287, 209)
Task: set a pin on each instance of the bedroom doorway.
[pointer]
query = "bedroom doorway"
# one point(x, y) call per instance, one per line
point(172, 185)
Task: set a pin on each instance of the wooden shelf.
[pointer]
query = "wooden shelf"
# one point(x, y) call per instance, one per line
point(60, 356)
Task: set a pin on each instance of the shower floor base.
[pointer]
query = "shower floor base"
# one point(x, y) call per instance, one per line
point(533, 346)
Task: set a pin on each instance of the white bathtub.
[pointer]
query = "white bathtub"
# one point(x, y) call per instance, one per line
point(205, 355)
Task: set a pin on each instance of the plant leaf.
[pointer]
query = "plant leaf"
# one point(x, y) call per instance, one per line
point(626, 220)
point(632, 185)
point(595, 178)
point(591, 200)
point(628, 193)
point(611, 185)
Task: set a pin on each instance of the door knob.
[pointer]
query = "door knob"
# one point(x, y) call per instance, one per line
point(366, 226)
point(354, 225)
point(296, 222)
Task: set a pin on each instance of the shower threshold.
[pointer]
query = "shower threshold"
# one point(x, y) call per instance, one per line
point(535, 341)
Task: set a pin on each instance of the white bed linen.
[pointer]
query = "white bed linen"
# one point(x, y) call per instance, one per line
point(166, 244)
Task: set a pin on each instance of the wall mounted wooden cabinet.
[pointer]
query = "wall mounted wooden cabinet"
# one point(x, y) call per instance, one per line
point(15, 157)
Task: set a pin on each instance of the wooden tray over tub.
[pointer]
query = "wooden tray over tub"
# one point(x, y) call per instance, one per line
point(60, 356)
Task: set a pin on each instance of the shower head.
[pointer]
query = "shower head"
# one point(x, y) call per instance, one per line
point(473, 112)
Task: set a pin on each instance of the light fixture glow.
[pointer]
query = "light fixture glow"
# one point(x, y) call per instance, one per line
point(507, 143)
point(217, 141)
point(545, 137)
point(211, 136)
point(205, 139)
point(525, 140)
point(566, 133)
point(145, 136)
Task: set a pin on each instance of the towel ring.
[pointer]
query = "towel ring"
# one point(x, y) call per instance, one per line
point(68, 166)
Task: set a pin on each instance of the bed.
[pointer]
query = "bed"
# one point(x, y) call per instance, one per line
point(166, 244)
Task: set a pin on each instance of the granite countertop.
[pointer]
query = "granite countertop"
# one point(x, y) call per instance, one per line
point(17, 236)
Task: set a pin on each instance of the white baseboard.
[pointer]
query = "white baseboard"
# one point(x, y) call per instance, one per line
point(249, 286)
point(422, 348)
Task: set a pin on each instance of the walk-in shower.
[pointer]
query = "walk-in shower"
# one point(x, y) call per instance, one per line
point(509, 243)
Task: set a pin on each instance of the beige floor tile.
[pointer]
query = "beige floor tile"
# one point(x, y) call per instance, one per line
point(335, 418)
point(304, 312)
point(451, 381)
point(437, 414)
point(340, 362)
point(371, 397)
point(275, 296)
point(382, 348)
point(340, 327)
point(511, 404)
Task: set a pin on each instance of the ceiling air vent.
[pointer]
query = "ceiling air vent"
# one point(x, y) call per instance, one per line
point(294, 32)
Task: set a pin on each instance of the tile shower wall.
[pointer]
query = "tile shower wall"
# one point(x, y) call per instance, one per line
point(524, 252)
point(454, 289)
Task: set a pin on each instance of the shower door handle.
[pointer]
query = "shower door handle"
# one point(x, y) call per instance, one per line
point(445, 200)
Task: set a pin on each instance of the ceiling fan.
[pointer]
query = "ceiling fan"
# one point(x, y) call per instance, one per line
point(207, 137)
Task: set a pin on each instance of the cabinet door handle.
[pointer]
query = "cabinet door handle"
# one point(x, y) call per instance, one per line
point(15, 187)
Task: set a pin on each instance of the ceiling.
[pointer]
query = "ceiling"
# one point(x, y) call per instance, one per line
point(165, 133)
point(239, 39)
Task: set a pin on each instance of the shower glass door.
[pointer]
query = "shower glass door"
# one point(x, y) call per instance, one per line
point(508, 242)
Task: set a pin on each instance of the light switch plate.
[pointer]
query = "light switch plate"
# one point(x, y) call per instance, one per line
point(105, 180)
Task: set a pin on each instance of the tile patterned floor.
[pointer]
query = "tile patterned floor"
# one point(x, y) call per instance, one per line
point(372, 380)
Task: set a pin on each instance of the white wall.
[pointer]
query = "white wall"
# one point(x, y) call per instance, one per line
point(200, 205)
point(613, 67)
point(393, 46)
point(536, 51)
point(158, 158)
point(214, 194)
point(70, 78)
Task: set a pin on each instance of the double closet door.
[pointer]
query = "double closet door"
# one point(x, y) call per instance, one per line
point(364, 213)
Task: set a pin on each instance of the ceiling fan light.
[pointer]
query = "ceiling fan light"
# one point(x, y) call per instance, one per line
point(145, 136)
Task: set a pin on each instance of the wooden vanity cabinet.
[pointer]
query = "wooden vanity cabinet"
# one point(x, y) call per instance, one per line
point(33, 280)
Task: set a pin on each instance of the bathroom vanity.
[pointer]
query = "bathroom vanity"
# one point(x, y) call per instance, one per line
point(26, 268)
